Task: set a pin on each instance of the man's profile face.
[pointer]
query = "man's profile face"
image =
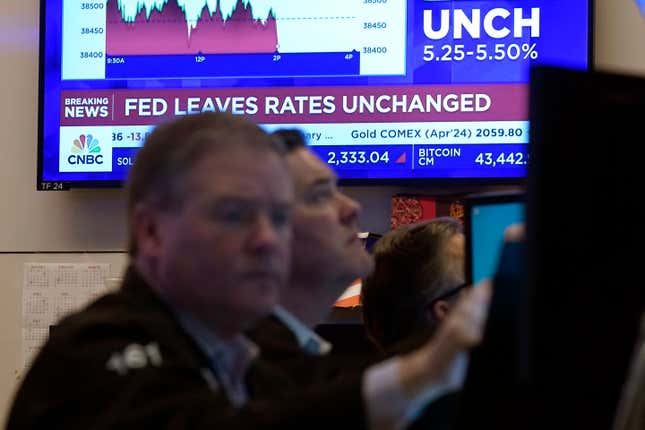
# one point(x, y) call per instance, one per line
point(325, 224)
point(226, 252)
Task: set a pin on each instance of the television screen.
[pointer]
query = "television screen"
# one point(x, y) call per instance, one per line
point(385, 90)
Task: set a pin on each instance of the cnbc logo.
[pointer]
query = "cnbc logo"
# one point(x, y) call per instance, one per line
point(641, 5)
point(85, 151)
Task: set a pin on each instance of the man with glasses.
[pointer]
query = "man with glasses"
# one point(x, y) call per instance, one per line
point(418, 276)
point(419, 272)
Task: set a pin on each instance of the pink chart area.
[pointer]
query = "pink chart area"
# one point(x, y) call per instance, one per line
point(166, 32)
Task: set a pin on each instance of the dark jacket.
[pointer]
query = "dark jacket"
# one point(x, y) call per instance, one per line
point(280, 349)
point(125, 362)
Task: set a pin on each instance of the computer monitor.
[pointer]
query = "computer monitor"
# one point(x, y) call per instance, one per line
point(496, 393)
point(585, 227)
point(486, 216)
point(581, 293)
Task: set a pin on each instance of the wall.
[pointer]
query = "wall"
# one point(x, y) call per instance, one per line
point(620, 31)
point(31, 220)
point(93, 220)
point(80, 220)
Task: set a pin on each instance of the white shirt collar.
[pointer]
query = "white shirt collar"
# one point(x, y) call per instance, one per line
point(306, 337)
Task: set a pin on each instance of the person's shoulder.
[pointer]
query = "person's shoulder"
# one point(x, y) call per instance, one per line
point(112, 316)
point(119, 325)
point(115, 348)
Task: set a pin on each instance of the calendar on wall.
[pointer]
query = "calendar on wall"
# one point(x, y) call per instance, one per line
point(53, 290)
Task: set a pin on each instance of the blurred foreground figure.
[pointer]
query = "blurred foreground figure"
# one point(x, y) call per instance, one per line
point(210, 201)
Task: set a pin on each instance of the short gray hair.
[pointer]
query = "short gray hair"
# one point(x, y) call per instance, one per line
point(173, 149)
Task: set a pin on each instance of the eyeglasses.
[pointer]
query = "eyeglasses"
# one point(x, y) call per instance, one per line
point(450, 293)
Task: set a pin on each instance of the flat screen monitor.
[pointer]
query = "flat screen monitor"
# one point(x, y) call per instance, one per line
point(561, 332)
point(586, 232)
point(486, 216)
point(495, 393)
point(385, 90)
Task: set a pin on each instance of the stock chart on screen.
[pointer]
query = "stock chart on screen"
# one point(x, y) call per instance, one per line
point(229, 38)
point(382, 89)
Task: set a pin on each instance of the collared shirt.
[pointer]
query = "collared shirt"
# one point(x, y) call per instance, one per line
point(308, 339)
point(229, 359)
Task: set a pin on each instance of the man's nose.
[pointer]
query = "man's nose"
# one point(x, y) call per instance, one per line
point(265, 235)
point(350, 209)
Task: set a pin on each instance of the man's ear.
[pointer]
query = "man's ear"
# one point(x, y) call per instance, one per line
point(438, 311)
point(145, 229)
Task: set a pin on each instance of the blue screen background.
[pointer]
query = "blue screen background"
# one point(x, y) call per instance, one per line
point(487, 224)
